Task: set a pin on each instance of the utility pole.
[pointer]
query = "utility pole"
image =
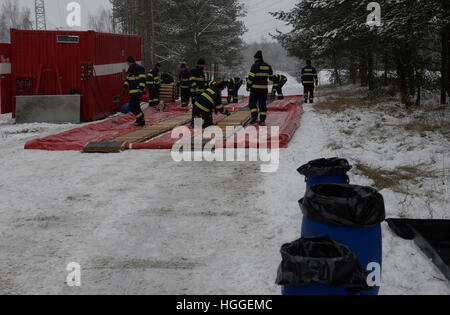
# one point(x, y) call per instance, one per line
point(39, 10)
point(445, 63)
point(141, 17)
point(153, 33)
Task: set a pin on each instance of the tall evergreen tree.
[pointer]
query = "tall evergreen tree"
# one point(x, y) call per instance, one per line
point(183, 31)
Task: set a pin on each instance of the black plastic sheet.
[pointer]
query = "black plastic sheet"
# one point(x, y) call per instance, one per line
point(323, 167)
point(343, 205)
point(312, 261)
point(431, 236)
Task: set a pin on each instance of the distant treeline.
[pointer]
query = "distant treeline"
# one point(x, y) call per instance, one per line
point(409, 50)
point(13, 16)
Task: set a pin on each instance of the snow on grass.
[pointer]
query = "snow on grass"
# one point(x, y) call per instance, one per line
point(405, 154)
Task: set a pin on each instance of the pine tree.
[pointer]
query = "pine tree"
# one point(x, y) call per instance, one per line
point(184, 30)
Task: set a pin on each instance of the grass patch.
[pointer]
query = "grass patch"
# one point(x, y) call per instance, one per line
point(421, 126)
point(336, 91)
point(339, 100)
point(436, 121)
point(397, 180)
point(342, 103)
point(335, 146)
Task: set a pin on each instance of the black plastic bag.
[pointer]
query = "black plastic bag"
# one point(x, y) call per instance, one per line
point(319, 260)
point(343, 205)
point(323, 167)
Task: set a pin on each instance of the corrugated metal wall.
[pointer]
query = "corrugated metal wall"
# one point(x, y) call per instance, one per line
point(110, 52)
point(5, 79)
point(43, 65)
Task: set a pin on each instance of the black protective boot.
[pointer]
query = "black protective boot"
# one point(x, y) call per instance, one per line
point(253, 121)
point(262, 123)
point(140, 122)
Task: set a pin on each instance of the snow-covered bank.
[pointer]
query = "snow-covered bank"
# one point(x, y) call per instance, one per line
point(406, 155)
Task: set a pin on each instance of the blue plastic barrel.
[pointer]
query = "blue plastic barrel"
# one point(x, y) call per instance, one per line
point(326, 171)
point(362, 236)
point(365, 242)
point(327, 179)
point(125, 109)
point(320, 266)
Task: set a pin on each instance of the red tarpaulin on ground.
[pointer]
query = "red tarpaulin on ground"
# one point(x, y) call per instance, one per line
point(286, 114)
point(76, 139)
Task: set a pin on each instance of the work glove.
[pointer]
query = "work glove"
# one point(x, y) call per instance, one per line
point(248, 88)
point(124, 89)
point(226, 112)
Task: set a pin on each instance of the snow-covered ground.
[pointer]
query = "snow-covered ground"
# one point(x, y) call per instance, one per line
point(137, 222)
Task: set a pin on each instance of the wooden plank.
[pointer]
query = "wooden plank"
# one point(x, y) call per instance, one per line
point(120, 143)
point(168, 93)
point(154, 130)
point(104, 147)
point(236, 119)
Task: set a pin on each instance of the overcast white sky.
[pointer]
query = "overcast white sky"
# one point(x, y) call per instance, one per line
point(258, 21)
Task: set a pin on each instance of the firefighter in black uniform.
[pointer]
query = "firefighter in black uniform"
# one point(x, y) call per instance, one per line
point(257, 84)
point(154, 85)
point(136, 83)
point(279, 81)
point(309, 77)
point(197, 82)
point(210, 83)
point(208, 102)
point(183, 85)
point(233, 85)
point(197, 79)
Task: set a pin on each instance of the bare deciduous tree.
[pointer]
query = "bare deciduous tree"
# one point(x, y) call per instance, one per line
point(102, 22)
point(13, 16)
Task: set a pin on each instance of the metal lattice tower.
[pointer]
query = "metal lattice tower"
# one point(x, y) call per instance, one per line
point(39, 10)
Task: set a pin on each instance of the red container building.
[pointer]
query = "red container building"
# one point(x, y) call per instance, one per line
point(73, 62)
point(5, 79)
